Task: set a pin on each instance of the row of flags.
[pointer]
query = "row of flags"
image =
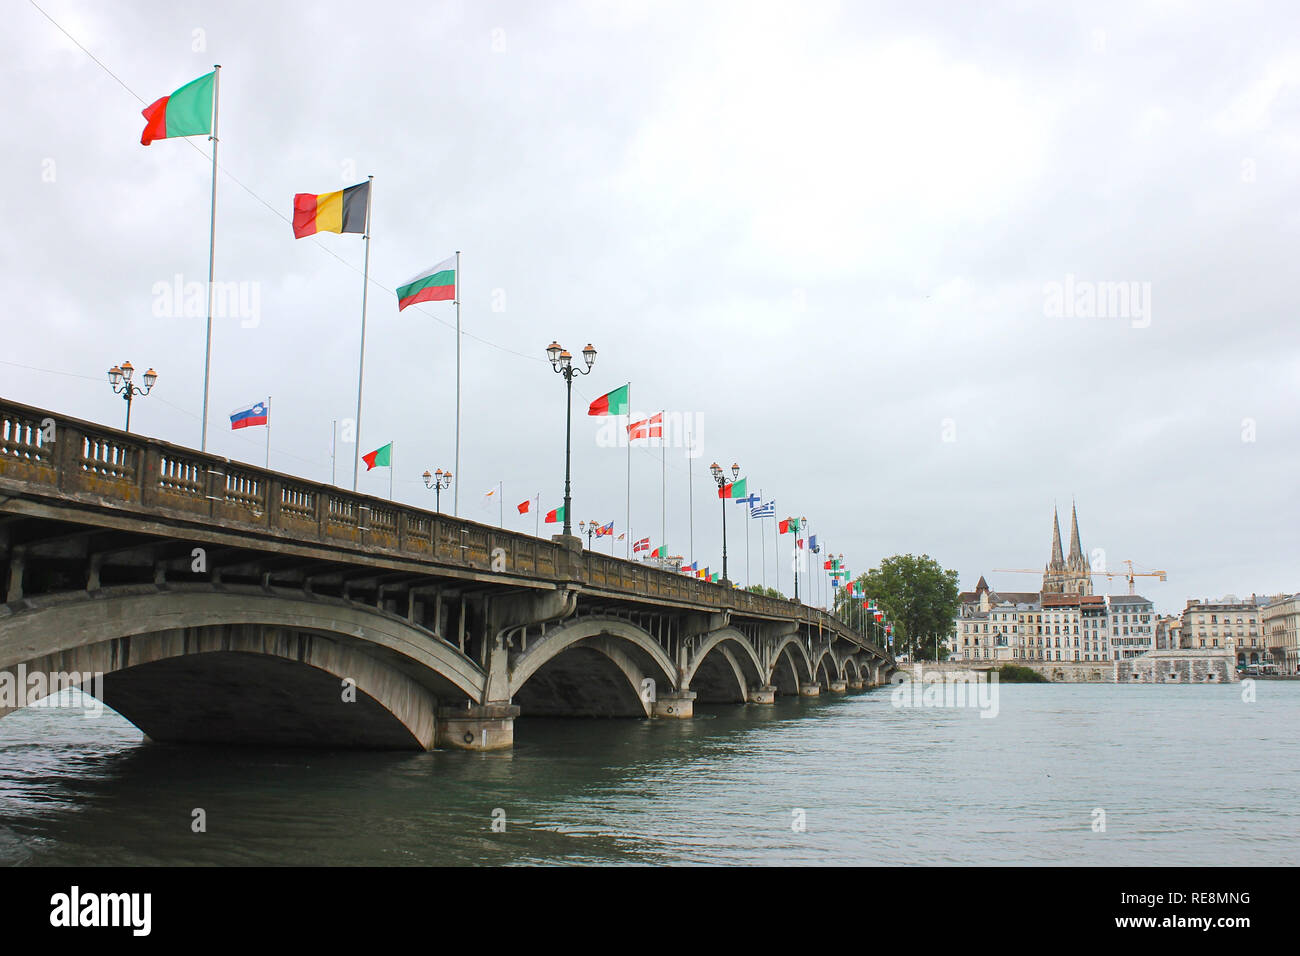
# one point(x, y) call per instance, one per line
point(189, 111)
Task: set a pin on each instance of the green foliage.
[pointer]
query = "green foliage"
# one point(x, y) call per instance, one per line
point(766, 592)
point(1012, 674)
point(918, 596)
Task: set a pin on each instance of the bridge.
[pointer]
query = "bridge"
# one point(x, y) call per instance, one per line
point(224, 603)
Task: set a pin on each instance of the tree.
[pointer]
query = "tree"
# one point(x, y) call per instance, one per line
point(918, 596)
point(766, 592)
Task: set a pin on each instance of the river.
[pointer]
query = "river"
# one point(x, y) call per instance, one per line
point(1063, 774)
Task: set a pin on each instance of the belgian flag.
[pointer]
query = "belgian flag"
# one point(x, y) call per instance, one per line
point(343, 211)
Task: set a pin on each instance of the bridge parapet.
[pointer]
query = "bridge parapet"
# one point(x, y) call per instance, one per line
point(55, 463)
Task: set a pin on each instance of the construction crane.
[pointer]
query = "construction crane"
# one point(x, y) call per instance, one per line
point(1131, 574)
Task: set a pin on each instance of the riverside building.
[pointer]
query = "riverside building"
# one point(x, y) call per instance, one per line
point(1064, 621)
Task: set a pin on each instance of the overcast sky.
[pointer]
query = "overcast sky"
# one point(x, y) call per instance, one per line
point(831, 234)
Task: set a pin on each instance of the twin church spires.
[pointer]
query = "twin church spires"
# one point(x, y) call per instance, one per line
point(1062, 575)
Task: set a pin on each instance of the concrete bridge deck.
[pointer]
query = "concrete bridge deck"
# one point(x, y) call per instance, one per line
point(227, 603)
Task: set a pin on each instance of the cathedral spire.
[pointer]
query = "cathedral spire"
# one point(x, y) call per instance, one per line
point(1058, 560)
point(1076, 550)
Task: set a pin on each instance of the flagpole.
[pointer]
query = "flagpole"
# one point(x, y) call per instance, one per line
point(628, 433)
point(392, 453)
point(334, 448)
point(268, 433)
point(455, 499)
point(776, 545)
point(501, 504)
point(748, 582)
point(690, 494)
point(361, 366)
point(663, 483)
point(762, 541)
point(212, 251)
point(537, 517)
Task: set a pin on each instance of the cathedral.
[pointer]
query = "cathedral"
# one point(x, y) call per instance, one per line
point(1067, 575)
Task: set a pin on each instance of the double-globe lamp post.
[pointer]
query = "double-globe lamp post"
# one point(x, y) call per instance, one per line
point(119, 376)
point(588, 528)
point(437, 481)
point(562, 362)
point(721, 478)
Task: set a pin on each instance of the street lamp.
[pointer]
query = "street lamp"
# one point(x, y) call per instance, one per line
point(119, 376)
point(721, 478)
point(437, 481)
point(562, 362)
point(589, 528)
point(798, 555)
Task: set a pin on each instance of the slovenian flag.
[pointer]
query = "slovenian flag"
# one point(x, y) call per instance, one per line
point(259, 413)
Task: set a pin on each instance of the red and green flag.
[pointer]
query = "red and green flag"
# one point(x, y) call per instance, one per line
point(342, 211)
point(735, 489)
point(187, 112)
point(612, 403)
point(658, 552)
point(379, 458)
point(432, 285)
point(555, 515)
point(790, 526)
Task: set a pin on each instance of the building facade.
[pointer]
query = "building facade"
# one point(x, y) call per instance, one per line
point(1280, 624)
point(1228, 624)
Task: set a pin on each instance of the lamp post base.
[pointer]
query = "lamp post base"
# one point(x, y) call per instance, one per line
point(571, 541)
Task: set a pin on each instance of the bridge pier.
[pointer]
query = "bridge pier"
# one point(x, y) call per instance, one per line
point(677, 706)
point(810, 690)
point(838, 686)
point(763, 695)
point(856, 684)
point(477, 727)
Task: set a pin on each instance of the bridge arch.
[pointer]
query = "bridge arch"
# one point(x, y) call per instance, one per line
point(724, 668)
point(851, 670)
point(827, 668)
point(790, 667)
point(592, 666)
point(197, 663)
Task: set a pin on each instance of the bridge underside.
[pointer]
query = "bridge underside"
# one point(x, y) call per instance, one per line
point(250, 700)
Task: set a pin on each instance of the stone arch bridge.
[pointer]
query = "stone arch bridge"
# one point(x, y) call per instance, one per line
point(223, 603)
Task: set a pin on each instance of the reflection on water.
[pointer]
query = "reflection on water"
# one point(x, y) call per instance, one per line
point(1186, 775)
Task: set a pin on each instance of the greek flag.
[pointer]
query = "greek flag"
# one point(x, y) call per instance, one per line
point(767, 510)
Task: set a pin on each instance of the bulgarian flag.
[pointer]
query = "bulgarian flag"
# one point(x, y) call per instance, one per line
point(379, 458)
point(432, 285)
point(611, 403)
point(555, 515)
point(187, 112)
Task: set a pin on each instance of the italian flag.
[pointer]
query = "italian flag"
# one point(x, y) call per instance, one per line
point(612, 403)
point(379, 458)
point(555, 515)
point(187, 112)
point(432, 285)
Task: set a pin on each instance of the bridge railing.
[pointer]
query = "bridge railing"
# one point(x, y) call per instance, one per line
point(98, 465)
